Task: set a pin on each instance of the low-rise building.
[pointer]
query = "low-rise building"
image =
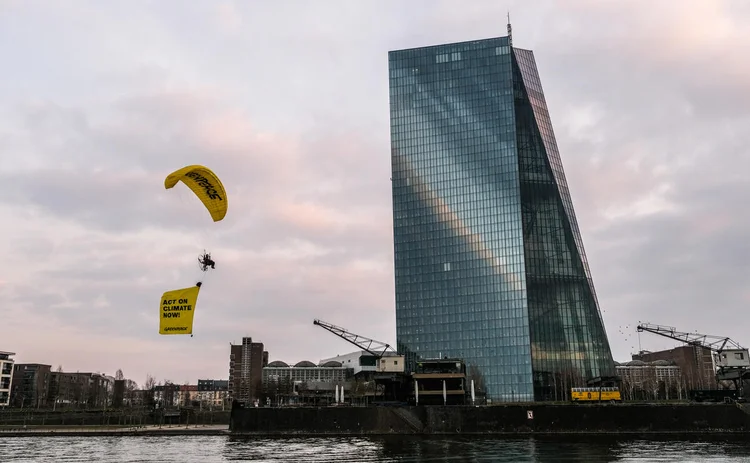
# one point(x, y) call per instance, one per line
point(80, 390)
point(696, 364)
point(439, 381)
point(187, 395)
point(6, 377)
point(357, 362)
point(363, 363)
point(284, 384)
point(30, 385)
point(167, 395)
point(213, 393)
point(139, 398)
point(660, 379)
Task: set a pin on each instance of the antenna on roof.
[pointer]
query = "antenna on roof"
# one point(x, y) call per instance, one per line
point(510, 31)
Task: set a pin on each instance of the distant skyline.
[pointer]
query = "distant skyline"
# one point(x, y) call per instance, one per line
point(288, 103)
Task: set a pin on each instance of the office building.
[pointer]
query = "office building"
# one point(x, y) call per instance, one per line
point(6, 377)
point(246, 362)
point(489, 262)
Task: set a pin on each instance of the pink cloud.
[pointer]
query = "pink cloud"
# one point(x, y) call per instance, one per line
point(228, 16)
point(309, 216)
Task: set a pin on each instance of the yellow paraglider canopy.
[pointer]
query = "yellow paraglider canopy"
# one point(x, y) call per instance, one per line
point(206, 186)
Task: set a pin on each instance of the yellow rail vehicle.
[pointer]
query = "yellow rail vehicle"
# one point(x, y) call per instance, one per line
point(595, 394)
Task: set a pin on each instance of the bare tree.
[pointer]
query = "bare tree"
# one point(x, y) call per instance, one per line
point(149, 388)
point(150, 383)
point(681, 387)
point(186, 394)
point(270, 390)
point(168, 393)
point(55, 391)
point(77, 393)
point(650, 383)
point(475, 373)
point(129, 394)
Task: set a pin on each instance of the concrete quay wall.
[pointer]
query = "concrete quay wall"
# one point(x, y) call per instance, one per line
point(18, 418)
point(497, 419)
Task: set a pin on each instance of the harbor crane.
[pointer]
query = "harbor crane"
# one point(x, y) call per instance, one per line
point(388, 373)
point(376, 348)
point(731, 359)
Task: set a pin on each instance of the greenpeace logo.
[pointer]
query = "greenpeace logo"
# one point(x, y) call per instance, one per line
point(206, 184)
point(175, 328)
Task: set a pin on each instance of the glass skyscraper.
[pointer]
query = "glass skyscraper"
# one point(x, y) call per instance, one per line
point(489, 262)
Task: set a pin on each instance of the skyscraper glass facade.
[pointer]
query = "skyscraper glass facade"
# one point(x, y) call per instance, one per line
point(489, 262)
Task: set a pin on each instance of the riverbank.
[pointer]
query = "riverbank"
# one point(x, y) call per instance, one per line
point(100, 430)
point(507, 420)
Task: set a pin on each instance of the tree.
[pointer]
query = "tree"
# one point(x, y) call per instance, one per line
point(359, 387)
point(149, 388)
point(650, 383)
point(130, 388)
point(168, 393)
point(76, 390)
point(116, 393)
point(55, 391)
point(186, 394)
point(476, 374)
point(150, 383)
point(270, 389)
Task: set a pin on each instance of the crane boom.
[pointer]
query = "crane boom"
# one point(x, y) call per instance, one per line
point(376, 348)
point(731, 360)
point(715, 343)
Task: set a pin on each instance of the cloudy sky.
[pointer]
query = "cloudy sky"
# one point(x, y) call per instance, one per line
point(288, 102)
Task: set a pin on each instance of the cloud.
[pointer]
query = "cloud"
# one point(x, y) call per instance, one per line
point(120, 239)
point(289, 105)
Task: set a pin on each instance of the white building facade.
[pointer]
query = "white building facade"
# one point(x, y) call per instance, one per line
point(363, 361)
point(6, 377)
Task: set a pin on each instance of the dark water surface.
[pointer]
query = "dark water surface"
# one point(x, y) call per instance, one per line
point(209, 449)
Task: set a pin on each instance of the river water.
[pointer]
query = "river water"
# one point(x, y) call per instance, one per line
point(209, 449)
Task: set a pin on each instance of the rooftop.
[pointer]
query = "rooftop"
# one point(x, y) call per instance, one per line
point(303, 364)
point(463, 42)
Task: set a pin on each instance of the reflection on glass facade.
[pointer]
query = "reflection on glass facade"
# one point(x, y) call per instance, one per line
point(489, 261)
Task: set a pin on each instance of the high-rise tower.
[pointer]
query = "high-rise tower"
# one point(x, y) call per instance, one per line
point(246, 362)
point(489, 261)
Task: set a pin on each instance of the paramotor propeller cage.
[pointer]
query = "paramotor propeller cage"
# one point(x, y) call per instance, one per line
point(205, 262)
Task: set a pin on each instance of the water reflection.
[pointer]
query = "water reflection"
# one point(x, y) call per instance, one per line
point(510, 450)
point(304, 449)
point(438, 449)
point(186, 449)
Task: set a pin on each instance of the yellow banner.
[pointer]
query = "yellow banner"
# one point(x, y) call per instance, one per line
point(177, 309)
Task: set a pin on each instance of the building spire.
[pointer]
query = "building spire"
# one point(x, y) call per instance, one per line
point(510, 31)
